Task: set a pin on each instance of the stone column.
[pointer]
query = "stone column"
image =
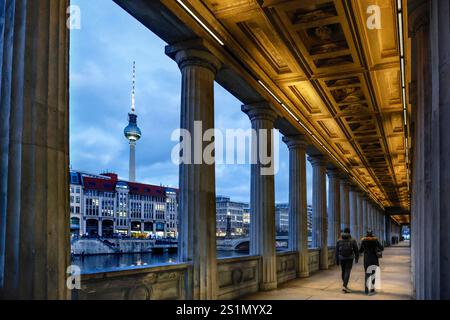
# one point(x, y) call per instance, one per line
point(319, 207)
point(374, 216)
point(360, 211)
point(334, 207)
point(366, 214)
point(353, 212)
point(345, 203)
point(34, 141)
point(387, 222)
point(381, 225)
point(369, 215)
point(262, 194)
point(298, 215)
point(197, 234)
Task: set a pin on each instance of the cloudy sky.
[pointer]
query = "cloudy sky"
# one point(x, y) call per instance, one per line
point(102, 54)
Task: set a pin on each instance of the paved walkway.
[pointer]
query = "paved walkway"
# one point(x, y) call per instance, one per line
point(327, 284)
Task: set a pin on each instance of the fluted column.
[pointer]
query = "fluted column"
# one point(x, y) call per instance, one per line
point(360, 212)
point(319, 207)
point(380, 225)
point(372, 217)
point(298, 215)
point(374, 220)
point(34, 141)
point(345, 203)
point(354, 212)
point(365, 214)
point(334, 207)
point(197, 224)
point(388, 235)
point(262, 195)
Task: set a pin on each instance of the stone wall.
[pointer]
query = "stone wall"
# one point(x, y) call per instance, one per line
point(154, 283)
point(314, 260)
point(237, 276)
point(331, 256)
point(286, 266)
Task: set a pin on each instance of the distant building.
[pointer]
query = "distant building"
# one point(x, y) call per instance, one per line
point(310, 219)
point(230, 217)
point(310, 224)
point(103, 205)
point(246, 220)
point(282, 218)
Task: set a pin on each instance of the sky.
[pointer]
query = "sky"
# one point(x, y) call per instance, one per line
point(101, 58)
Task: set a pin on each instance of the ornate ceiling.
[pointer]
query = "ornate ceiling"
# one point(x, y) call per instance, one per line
point(339, 77)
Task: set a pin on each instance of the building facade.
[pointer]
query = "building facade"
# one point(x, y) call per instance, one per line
point(282, 218)
point(231, 218)
point(103, 205)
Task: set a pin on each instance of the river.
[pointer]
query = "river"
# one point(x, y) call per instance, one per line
point(114, 262)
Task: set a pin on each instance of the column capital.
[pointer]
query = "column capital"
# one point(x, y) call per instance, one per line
point(334, 173)
point(259, 111)
point(297, 141)
point(418, 15)
point(344, 180)
point(193, 53)
point(318, 160)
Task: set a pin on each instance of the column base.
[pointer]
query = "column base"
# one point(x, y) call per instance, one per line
point(268, 286)
point(302, 274)
point(324, 267)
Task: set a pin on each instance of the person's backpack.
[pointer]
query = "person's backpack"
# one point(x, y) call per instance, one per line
point(346, 248)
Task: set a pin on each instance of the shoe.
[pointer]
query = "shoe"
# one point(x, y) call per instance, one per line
point(348, 290)
point(344, 289)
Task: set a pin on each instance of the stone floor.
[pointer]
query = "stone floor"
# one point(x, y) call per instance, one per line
point(327, 284)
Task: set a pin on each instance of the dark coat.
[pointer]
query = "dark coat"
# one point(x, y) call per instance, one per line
point(346, 237)
point(370, 246)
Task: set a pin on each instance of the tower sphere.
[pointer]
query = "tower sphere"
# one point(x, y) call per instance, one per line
point(132, 131)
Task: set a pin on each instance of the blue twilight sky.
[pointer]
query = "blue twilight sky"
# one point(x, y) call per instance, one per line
point(101, 57)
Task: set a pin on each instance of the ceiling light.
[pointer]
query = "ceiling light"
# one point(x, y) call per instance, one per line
point(193, 15)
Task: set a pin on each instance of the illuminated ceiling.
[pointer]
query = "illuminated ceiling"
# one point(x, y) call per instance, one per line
point(325, 70)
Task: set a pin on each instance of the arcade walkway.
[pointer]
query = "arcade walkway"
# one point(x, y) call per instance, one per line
point(326, 285)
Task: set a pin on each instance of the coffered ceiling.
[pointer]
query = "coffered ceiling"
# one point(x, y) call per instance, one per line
point(340, 78)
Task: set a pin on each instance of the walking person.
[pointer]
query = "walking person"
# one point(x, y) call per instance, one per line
point(372, 250)
point(346, 252)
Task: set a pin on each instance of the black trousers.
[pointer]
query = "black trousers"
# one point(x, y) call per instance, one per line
point(346, 267)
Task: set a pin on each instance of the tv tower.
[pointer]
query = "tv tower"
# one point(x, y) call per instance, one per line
point(132, 131)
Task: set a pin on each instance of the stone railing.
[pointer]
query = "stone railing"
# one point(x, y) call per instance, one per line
point(286, 266)
point(314, 260)
point(331, 256)
point(237, 276)
point(165, 282)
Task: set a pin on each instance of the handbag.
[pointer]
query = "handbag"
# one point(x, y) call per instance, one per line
point(379, 254)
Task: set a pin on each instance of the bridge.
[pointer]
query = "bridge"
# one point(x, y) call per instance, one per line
point(242, 244)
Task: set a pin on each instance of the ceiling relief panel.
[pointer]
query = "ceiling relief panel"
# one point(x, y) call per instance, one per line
point(339, 75)
point(265, 44)
point(318, 31)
